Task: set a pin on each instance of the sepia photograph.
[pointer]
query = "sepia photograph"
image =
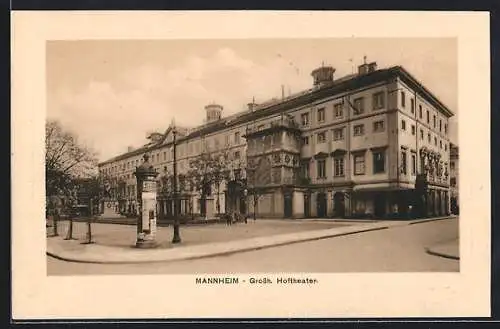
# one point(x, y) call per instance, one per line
point(260, 166)
point(251, 156)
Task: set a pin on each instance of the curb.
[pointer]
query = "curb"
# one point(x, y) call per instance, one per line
point(440, 254)
point(422, 221)
point(216, 254)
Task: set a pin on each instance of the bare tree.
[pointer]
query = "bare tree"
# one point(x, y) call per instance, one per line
point(65, 159)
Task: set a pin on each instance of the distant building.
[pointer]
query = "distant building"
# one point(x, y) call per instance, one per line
point(349, 146)
point(454, 179)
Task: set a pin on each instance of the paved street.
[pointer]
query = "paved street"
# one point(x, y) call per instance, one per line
point(398, 249)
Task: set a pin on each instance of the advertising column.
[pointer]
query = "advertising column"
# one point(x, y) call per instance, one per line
point(146, 194)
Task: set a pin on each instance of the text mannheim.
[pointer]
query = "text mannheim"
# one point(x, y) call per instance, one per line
point(374, 143)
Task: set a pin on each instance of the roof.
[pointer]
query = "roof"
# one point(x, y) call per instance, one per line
point(276, 106)
point(127, 155)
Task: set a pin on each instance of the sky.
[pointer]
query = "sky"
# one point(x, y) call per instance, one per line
point(112, 93)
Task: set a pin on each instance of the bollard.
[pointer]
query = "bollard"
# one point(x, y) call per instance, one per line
point(54, 223)
point(89, 233)
point(89, 227)
point(69, 235)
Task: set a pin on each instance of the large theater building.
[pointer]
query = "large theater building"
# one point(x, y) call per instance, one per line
point(375, 143)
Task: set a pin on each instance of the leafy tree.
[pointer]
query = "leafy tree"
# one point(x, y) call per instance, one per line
point(207, 170)
point(166, 184)
point(254, 190)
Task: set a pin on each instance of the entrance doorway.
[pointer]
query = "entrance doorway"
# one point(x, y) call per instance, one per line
point(379, 205)
point(454, 205)
point(287, 205)
point(339, 202)
point(307, 205)
point(321, 204)
point(243, 205)
point(439, 204)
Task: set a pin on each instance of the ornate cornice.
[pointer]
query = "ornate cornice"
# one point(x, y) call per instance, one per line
point(321, 155)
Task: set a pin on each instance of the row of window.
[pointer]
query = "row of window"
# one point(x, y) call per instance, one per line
point(358, 107)
point(339, 165)
point(378, 126)
point(378, 103)
point(404, 164)
point(428, 115)
point(338, 133)
point(162, 156)
point(429, 138)
point(216, 141)
point(236, 156)
point(118, 168)
point(359, 165)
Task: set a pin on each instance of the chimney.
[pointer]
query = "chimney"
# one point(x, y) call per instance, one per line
point(363, 69)
point(252, 106)
point(372, 67)
point(130, 148)
point(367, 68)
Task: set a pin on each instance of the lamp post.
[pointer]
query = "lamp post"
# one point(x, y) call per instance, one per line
point(177, 236)
point(252, 171)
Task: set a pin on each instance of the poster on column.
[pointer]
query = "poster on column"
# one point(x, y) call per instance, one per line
point(148, 206)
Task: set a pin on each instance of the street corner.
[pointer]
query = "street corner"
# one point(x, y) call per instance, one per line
point(449, 249)
point(75, 250)
point(57, 245)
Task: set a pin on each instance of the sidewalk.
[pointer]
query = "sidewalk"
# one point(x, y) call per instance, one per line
point(74, 251)
point(449, 249)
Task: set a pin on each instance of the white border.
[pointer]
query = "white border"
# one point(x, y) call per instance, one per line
point(339, 295)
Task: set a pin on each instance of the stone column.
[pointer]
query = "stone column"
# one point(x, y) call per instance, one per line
point(313, 203)
point(447, 203)
point(329, 204)
point(437, 203)
point(429, 203)
point(348, 205)
point(443, 203)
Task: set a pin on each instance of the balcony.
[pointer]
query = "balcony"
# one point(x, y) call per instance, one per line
point(282, 122)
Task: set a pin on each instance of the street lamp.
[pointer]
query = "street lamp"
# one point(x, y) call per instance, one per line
point(177, 236)
point(252, 171)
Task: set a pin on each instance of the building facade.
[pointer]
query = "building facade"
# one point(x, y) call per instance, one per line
point(375, 143)
point(454, 179)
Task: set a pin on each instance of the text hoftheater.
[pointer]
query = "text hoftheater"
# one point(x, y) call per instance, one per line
point(289, 280)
